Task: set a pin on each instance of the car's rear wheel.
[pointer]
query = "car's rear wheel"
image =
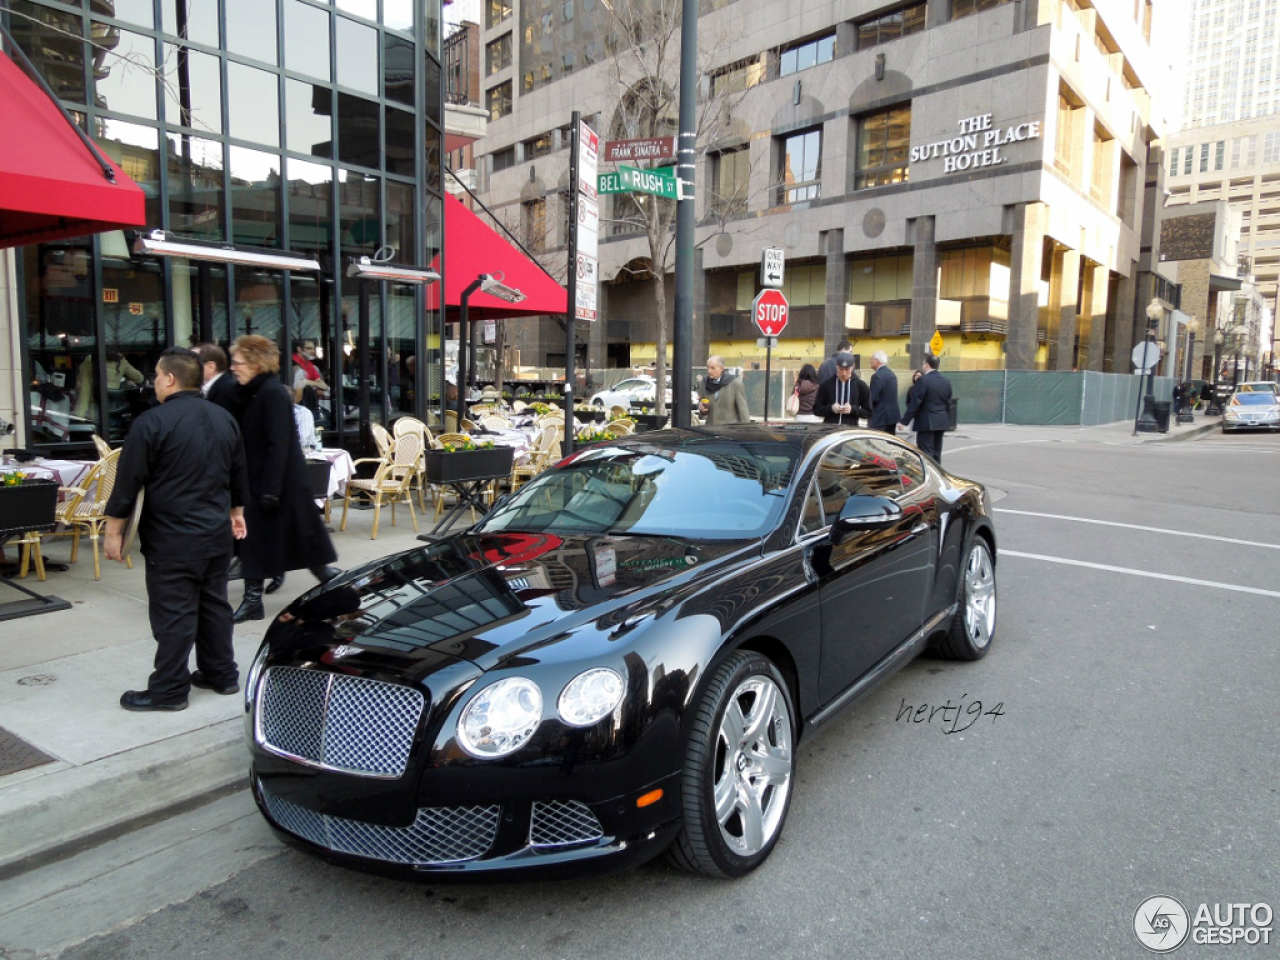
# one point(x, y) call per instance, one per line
point(974, 625)
point(738, 770)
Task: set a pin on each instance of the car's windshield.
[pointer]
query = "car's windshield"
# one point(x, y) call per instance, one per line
point(1261, 387)
point(1254, 399)
point(699, 490)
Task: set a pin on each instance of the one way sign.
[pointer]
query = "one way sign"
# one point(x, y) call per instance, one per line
point(771, 267)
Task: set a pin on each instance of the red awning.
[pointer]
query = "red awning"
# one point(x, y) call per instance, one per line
point(472, 248)
point(51, 185)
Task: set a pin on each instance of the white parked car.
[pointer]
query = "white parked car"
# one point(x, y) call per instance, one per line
point(633, 390)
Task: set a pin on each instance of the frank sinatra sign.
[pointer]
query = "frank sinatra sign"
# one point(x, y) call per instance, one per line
point(978, 144)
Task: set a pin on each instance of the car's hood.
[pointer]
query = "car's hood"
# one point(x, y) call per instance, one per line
point(488, 598)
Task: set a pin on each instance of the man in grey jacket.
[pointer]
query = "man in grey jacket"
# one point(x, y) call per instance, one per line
point(722, 398)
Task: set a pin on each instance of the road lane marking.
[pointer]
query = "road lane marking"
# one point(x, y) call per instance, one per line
point(1135, 526)
point(1257, 591)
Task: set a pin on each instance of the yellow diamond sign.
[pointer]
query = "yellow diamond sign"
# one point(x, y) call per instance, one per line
point(935, 345)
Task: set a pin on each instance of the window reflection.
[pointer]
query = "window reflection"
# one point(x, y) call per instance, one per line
point(400, 348)
point(307, 119)
point(192, 85)
point(135, 149)
point(398, 14)
point(251, 29)
point(253, 104)
point(361, 8)
point(306, 39)
point(58, 283)
point(357, 56)
point(134, 334)
point(124, 71)
point(359, 136)
point(400, 152)
point(397, 77)
point(199, 302)
point(257, 308)
point(400, 220)
point(255, 198)
point(134, 11)
point(192, 20)
point(310, 187)
point(52, 40)
point(195, 187)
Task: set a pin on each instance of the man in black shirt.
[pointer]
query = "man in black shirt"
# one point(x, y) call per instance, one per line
point(189, 456)
point(845, 397)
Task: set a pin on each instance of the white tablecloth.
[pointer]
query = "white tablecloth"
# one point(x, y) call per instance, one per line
point(518, 440)
point(66, 473)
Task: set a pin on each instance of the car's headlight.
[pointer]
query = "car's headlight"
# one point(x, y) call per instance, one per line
point(255, 671)
point(590, 696)
point(501, 718)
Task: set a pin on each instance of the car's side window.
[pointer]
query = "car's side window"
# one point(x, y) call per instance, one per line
point(811, 519)
point(906, 462)
point(861, 467)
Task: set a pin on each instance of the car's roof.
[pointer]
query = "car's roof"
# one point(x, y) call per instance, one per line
point(802, 436)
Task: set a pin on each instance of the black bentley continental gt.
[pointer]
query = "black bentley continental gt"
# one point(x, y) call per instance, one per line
point(620, 659)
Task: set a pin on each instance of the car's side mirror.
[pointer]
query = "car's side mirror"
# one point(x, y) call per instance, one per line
point(861, 513)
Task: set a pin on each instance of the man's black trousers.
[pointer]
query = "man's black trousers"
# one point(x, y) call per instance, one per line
point(930, 441)
point(189, 607)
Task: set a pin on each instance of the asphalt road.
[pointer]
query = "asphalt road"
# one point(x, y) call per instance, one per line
point(1135, 755)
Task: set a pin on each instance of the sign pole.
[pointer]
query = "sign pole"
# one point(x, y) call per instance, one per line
point(768, 375)
point(571, 310)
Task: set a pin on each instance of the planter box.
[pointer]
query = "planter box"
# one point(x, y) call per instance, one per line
point(464, 465)
point(589, 416)
point(649, 421)
point(32, 505)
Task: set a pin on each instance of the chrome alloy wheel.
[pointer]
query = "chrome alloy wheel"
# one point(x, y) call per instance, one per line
point(979, 596)
point(753, 766)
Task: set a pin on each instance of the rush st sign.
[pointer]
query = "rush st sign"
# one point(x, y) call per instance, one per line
point(770, 312)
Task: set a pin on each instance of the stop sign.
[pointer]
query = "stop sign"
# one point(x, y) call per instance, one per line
point(770, 312)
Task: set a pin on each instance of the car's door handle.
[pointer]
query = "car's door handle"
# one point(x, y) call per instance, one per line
point(920, 528)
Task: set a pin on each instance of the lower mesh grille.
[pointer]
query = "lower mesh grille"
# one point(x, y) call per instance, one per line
point(559, 823)
point(439, 835)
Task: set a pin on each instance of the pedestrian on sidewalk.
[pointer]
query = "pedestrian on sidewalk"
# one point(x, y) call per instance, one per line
point(928, 406)
point(722, 398)
point(188, 455)
point(285, 528)
point(806, 391)
point(885, 411)
point(828, 368)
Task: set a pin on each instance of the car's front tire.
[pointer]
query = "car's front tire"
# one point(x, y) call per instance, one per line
point(974, 625)
point(738, 770)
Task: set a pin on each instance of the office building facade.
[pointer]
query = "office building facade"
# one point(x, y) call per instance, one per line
point(972, 166)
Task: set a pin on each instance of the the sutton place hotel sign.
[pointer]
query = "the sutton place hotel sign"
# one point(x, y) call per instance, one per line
point(978, 145)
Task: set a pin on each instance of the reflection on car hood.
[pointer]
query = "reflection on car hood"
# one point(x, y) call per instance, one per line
point(488, 598)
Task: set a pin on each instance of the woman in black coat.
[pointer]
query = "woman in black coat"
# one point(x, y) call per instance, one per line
point(285, 530)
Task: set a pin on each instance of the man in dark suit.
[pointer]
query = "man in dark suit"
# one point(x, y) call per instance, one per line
point(928, 404)
point(885, 411)
point(189, 456)
point(219, 386)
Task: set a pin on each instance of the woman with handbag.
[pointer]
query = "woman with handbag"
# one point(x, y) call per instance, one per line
point(801, 400)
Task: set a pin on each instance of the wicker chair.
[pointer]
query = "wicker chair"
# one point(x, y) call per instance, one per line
point(545, 451)
point(617, 412)
point(391, 482)
point(381, 438)
point(103, 447)
point(84, 510)
point(413, 425)
point(619, 428)
point(451, 421)
point(493, 421)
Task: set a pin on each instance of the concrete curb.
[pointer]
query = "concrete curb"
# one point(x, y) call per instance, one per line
point(68, 808)
point(1198, 430)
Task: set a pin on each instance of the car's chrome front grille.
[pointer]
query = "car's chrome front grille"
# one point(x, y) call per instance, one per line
point(338, 722)
point(438, 835)
point(561, 823)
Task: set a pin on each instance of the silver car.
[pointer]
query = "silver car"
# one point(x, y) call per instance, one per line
point(1251, 410)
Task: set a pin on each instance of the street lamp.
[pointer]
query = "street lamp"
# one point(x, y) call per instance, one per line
point(1192, 326)
point(492, 285)
point(1146, 423)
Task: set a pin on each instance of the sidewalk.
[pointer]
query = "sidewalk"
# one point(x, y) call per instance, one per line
point(109, 770)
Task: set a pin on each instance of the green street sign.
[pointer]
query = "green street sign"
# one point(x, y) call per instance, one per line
point(610, 183)
point(659, 182)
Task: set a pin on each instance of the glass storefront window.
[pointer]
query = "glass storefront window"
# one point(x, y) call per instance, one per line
point(433, 219)
point(255, 197)
point(253, 104)
point(401, 348)
point(124, 71)
point(306, 39)
point(308, 118)
point(195, 187)
point(192, 85)
point(359, 214)
point(357, 56)
point(308, 312)
point(195, 20)
point(433, 148)
point(135, 149)
point(134, 334)
point(361, 8)
point(199, 302)
point(359, 132)
point(52, 40)
point(258, 301)
point(60, 329)
point(251, 29)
